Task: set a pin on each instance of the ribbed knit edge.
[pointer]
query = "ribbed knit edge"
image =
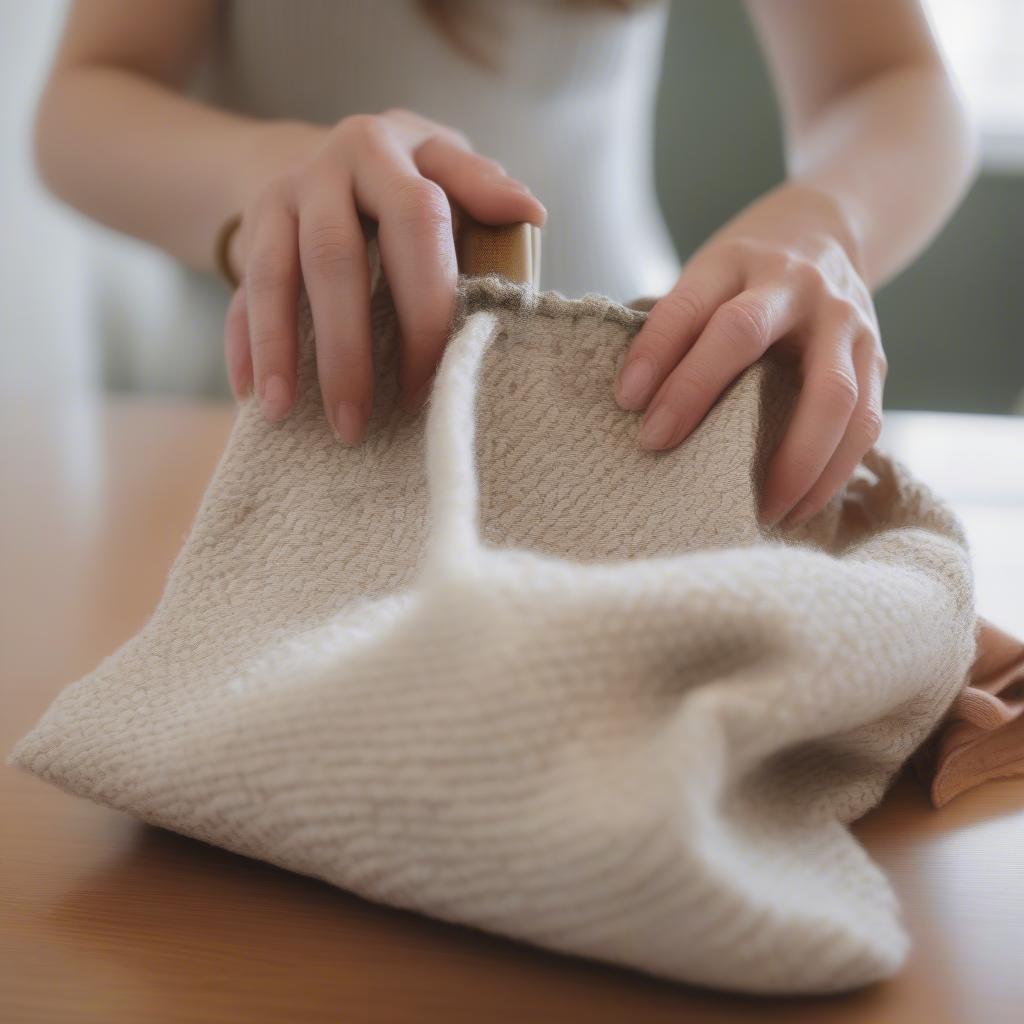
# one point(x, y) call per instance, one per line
point(495, 292)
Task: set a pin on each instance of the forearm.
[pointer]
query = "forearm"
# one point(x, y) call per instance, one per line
point(137, 156)
point(894, 155)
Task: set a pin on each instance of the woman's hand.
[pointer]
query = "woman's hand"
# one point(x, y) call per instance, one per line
point(783, 272)
point(304, 218)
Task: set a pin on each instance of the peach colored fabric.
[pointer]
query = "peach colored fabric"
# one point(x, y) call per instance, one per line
point(982, 735)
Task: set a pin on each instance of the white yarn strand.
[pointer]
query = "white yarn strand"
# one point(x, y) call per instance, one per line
point(451, 444)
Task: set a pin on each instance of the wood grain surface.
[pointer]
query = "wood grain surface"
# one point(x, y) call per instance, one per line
point(103, 919)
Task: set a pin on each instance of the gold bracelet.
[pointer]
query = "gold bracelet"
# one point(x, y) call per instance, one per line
point(224, 237)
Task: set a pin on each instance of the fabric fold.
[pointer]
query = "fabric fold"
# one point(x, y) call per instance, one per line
point(982, 736)
point(502, 666)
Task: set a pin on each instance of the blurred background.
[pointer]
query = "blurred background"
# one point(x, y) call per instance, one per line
point(82, 308)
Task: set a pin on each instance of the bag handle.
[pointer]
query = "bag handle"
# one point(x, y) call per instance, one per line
point(511, 250)
point(453, 546)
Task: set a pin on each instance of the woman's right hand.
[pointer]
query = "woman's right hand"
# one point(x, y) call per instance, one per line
point(302, 216)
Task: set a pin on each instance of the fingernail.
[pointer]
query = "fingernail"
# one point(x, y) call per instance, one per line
point(635, 382)
point(276, 398)
point(348, 423)
point(659, 427)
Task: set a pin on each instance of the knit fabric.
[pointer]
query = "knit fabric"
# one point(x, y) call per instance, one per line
point(501, 665)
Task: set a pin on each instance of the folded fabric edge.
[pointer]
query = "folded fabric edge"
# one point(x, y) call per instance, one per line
point(981, 737)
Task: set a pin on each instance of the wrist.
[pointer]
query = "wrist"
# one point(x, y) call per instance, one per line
point(834, 215)
point(271, 148)
point(274, 148)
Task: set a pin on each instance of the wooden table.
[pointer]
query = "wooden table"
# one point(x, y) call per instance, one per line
point(103, 919)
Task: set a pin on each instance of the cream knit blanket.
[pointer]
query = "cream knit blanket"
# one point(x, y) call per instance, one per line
point(502, 666)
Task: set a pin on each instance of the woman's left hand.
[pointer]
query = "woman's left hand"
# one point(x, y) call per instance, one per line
point(781, 273)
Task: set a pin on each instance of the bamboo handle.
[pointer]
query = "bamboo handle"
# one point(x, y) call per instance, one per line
point(511, 250)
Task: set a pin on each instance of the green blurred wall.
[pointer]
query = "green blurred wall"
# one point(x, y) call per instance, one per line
point(952, 324)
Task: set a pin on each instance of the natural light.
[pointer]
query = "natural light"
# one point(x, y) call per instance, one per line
point(984, 40)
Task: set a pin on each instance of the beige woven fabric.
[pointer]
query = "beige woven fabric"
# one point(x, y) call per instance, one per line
point(500, 665)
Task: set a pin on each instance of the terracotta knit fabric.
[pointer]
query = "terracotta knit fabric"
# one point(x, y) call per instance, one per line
point(500, 665)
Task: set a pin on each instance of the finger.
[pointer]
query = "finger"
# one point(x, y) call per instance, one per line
point(828, 396)
point(418, 256)
point(417, 252)
point(737, 335)
point(479, 185)
point(237, 352)
point(271, 286)
point(673, 324)
point(336, 272)
point(862, 432)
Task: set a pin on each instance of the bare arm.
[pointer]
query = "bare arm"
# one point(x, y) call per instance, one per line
point(871, 118)
point(116, 139)
point(879, 152)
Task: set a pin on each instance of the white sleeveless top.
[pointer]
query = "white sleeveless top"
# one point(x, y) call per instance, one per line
point(569, 109)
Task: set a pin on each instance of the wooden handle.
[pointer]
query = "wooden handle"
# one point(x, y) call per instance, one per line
point(512, 250)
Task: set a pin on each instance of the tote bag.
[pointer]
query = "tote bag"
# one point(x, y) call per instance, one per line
point(502, 666)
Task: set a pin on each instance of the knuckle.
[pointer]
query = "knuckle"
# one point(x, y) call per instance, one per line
point(419, 202)
point(868, 425)
point(458, 138)
point(268, 270)
point(839, 388)
point(755, 253)
point(845, 314)
point(329, 247)
point(744, 324)
point(656, 339)
point(491, 167)
point(363, 128)
point(266, 341)
point(356, 123)
point(740, 248)
point(400, 114)
point(785, 263)
point(882, 363)
point(660, 333)
point(690, 385)
point(685, 305)
point(811, 276)
point(778, 258)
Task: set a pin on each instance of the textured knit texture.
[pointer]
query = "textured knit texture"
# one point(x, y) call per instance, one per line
point(500, 665)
